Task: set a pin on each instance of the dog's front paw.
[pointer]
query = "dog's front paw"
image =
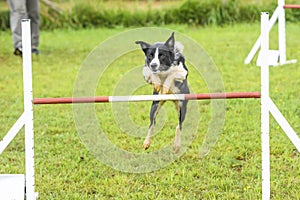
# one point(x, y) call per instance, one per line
point(176, 147)
point(146, 144)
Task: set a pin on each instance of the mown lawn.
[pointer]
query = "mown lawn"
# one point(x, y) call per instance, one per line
point(65, 169)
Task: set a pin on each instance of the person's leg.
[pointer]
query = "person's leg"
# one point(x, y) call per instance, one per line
point(33, 10)
point(17, 12)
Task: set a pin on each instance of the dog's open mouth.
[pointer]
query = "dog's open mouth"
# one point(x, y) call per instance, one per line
point(155, 71)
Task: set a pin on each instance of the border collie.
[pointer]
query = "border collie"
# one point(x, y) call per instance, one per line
point(165, 69)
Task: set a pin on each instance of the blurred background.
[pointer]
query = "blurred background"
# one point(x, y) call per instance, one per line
point(128, 13)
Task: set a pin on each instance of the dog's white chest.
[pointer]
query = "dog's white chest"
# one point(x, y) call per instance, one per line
point(167, 78)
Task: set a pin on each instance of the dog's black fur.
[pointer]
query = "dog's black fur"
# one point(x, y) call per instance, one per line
point(165, 69)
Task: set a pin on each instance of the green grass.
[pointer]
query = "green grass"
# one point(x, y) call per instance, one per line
point(65, 169)
point(127, 4)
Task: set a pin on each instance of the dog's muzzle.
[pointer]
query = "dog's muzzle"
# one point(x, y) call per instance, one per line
point(154, 67)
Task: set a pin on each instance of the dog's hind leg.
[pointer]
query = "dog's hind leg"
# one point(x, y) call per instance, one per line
point(181, 110)
point(156, 105)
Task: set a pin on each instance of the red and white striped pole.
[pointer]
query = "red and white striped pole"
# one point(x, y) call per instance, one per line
point(136, 98)
point(292, 6)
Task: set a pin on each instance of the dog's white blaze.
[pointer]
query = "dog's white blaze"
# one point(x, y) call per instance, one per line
point(155, 59)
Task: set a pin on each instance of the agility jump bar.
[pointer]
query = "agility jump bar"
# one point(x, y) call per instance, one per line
point(136, 98)
point(292, 6)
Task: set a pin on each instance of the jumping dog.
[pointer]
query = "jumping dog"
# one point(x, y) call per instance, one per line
point(165, 69)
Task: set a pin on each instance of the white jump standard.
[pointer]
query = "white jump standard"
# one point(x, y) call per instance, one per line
point(25, 120)
point(275, 57)
point(268, 106)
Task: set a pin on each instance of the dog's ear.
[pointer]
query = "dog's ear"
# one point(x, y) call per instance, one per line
point(170, 42)
point(145, 46)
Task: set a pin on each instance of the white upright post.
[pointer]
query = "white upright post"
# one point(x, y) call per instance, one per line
point(28, 109)
point(256, 46)
point(264, 107)
point(281, 33)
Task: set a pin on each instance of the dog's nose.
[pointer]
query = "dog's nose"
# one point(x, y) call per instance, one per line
point(153, 65)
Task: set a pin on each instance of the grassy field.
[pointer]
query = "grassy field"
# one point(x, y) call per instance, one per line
point(65, 169)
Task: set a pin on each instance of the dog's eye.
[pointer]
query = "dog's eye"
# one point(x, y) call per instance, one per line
point(162, 56)
point(150, 56)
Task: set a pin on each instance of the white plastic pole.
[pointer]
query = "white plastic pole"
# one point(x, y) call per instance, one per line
point(281, 32)
point(258, 41)
point(28, 109)
point(147, 98)
point(264, 107)
point(283, 123)
point(11, 134)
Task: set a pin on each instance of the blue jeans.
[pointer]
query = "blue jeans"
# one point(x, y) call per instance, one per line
point(24, 9)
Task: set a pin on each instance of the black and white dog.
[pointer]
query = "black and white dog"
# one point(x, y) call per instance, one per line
point(165, 69)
